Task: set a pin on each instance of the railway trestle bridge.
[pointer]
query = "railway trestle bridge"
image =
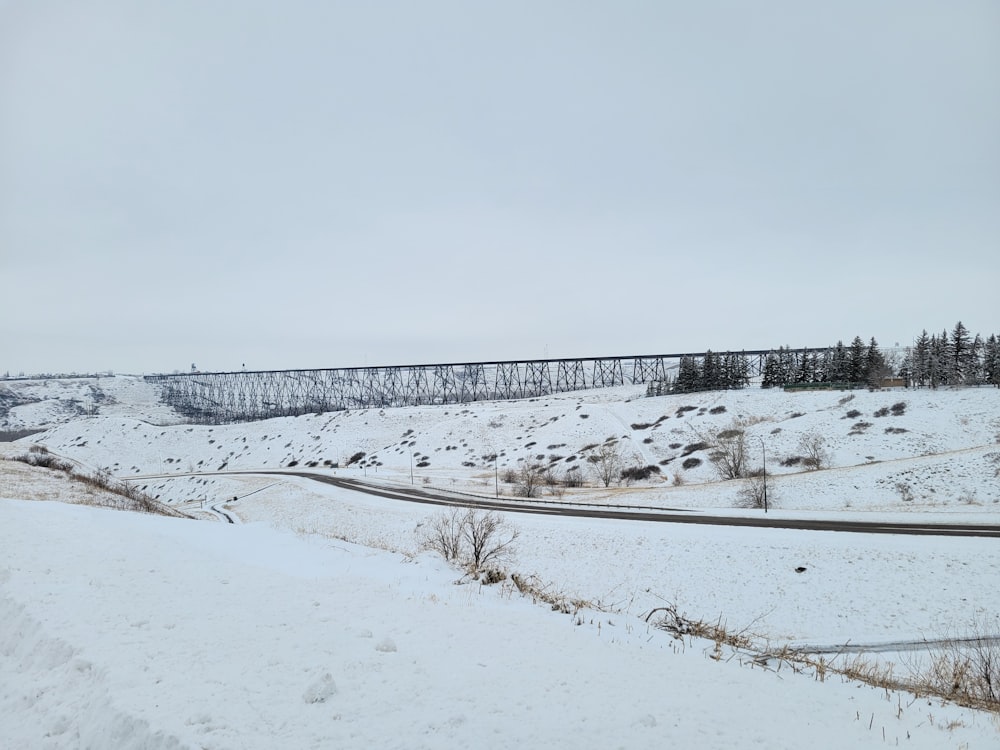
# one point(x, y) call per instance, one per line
point(221, 397)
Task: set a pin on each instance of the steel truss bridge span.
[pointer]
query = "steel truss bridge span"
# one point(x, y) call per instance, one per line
point(219, 397)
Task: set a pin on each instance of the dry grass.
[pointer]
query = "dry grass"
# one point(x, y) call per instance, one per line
point(532, 586)
point(964, 669)
point(103, 490)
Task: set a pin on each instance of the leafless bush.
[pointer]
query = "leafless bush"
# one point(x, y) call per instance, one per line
point(443, 534)
point(756, 491)
point(478, 540)
point(729, 454)
point(606, 463)
point(38, 455)
point(967, 669)
point(814, 452)
point(530, 477)
point(489, 539)
point(573, 477)
point(905, 491)
point(638, 473)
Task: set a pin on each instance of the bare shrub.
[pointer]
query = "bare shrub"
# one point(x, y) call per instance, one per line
point(443, 534)
point(730, 453)
point(530, 478)
point(905, 491)
point(678, 480)
point(573, 477)
point(489, 539)
point(858, 428)
point(815, 454)
point(756, 491)
point(39, 455)
point(638, 473)
point(694, 448)
point(968, 668)
point(478, 540)
point(606, 463)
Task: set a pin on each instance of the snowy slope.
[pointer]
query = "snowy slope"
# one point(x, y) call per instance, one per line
point(181, 634)
point(40, 403)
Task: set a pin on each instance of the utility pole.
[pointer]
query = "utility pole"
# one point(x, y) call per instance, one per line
point(763, 453)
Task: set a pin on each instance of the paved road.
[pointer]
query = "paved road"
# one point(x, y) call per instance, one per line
point(667, 515)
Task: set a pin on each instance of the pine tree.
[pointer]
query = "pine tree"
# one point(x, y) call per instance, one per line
point(709, 371)
point(786, 364)
point(974, 369)
point(991, 361)
point(959, 355)
point(937, 360)
point(920, 359)
point(688, 375)
point(874, 364)
point(839, 369)
point(856, 361)
point(802, 372)
point(740, 371)
point(772, 374)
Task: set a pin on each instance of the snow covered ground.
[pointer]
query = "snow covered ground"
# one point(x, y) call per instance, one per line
point(317, 622)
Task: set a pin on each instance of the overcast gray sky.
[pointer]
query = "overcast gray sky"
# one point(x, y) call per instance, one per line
point(324, 184)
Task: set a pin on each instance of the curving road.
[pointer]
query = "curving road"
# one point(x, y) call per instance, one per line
point(665, 515)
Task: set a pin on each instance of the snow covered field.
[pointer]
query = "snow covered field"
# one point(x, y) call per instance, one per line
point(317, 622)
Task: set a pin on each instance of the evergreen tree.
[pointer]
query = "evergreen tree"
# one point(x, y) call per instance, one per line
point(874, 368)
point(772, 374)
point(991, 361)
point(937, 360)
point(814, 367)
point(974, 368)
point(961, 346)
point(786, 364)
point(856, 361)
point(688, 375)
point(839, 369)
point(739, 371)
point(920, 359)
point(710, 375)
point(802, 372)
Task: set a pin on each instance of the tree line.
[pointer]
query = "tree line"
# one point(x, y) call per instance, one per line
point(953, 357)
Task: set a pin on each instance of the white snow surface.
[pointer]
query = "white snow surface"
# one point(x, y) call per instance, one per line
point(316, 622)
